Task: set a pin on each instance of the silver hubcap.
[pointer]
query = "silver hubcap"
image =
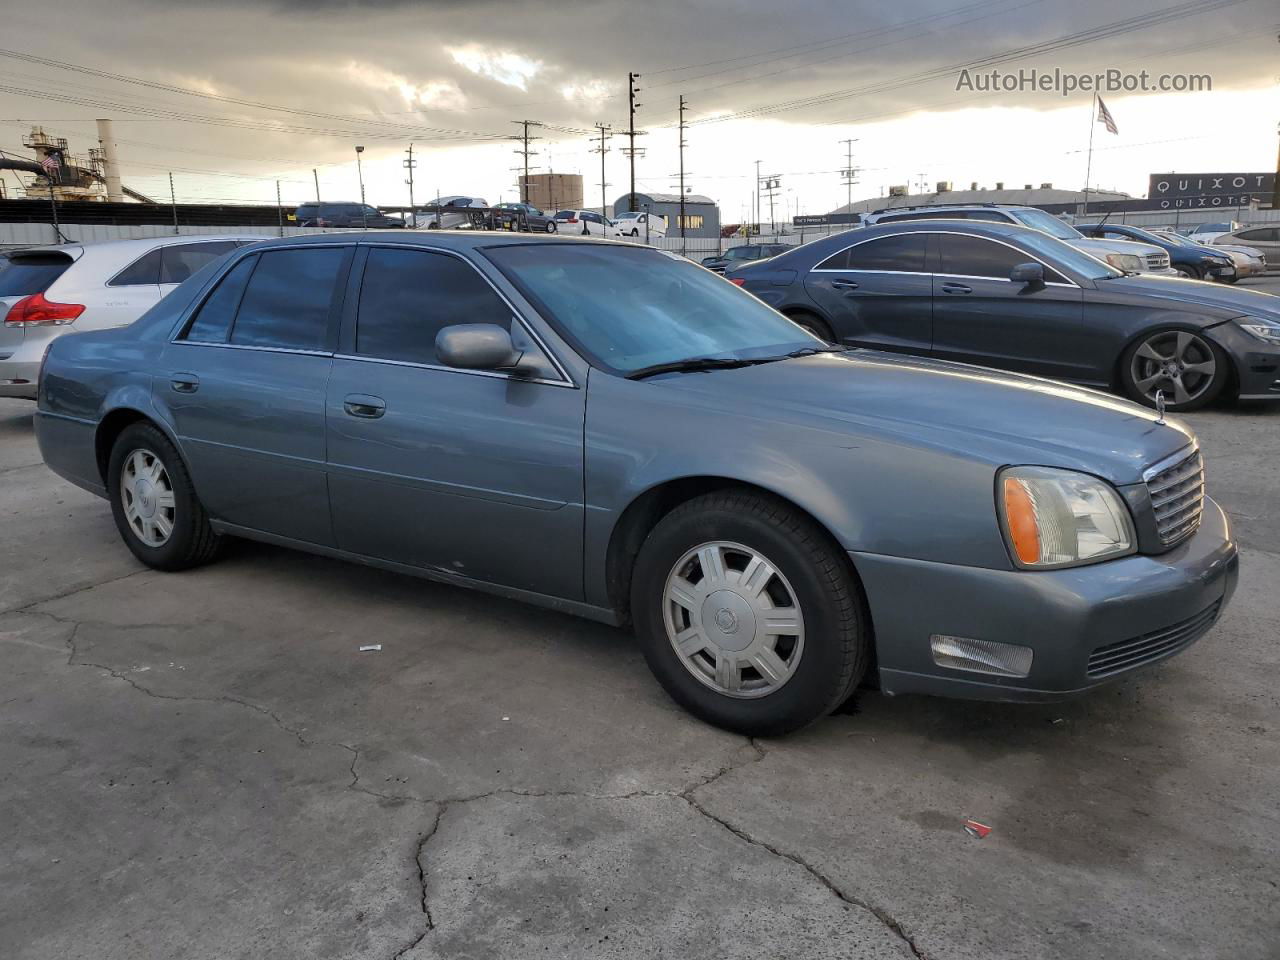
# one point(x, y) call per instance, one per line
point(147, 497)
point(1177, 362)
point(733, 619)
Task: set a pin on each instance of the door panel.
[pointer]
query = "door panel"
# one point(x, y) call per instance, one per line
point(472, 474)
point(878, 293)
point(995, 322)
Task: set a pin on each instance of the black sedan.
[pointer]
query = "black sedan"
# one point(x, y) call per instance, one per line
point(1011, 297)
point(1192, 260)
point(524, 216)
point(744, 254)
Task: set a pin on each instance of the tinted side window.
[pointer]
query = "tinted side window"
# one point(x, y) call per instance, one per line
point(143, 270)
point(975, 257)
point(902, 253)
point(407, 296)
point(182, 260)
point(992, 215)
point(287, 302)
point(213, 321)
point(1264, 234)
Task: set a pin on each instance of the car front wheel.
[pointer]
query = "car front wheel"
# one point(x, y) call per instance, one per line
point(154, 503)
point(551, 226)
point(748, 614)
point(1188, 273)
point(1190, 370)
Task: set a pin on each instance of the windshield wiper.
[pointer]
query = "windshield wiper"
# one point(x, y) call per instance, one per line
point(725, 363)
point(682, 366)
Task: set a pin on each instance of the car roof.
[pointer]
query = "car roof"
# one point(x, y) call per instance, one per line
point(135, 244)
point(448, 240)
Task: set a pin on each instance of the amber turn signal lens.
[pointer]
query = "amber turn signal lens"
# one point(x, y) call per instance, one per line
point(1020, 514)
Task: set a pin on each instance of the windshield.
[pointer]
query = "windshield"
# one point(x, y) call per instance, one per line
point(628, 215)
point(1048, 223)
point(627, 308)
point(1059, 253)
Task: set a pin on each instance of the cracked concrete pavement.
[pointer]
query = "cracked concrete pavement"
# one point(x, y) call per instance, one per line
point(202, 765)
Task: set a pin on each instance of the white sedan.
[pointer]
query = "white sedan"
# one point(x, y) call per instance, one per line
point(641, 225)
point(48, 291)
point(585, 222)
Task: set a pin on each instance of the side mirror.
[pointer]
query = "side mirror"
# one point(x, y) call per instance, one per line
point(1027, 273)
point(477, 346)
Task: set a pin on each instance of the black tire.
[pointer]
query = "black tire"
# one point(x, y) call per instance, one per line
point(635, 233)
point(1190, 273)
point(1202, 397)
point(814, 324)
point(1230, 279)
point(837, 646)
point(192, 540)
point(551, 226)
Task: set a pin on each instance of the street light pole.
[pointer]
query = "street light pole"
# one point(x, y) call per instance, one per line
point(364, 217)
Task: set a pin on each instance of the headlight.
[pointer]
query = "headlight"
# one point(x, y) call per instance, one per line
point(1262, 328)
point(1060, 518)
point(1125, 262)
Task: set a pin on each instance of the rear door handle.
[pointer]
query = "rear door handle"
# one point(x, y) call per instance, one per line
point(184, 382)
point(364, 406)
point(956, 288)
point(844, 284)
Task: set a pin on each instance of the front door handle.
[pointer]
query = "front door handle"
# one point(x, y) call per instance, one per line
point(844, 284)
point(956, 288)
point(184, 382)
point(364, 406)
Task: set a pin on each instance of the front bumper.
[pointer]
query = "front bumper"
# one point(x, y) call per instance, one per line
point(1159, 604)
point(1256, 362)
point(1220, 272)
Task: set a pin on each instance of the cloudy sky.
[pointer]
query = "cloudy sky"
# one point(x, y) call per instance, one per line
point(294, 85)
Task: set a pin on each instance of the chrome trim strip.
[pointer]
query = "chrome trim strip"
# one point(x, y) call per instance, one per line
point(475, 373)
point(250, 346)
point(1160, 466)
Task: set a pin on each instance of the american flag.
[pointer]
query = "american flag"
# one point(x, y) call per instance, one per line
point(51, 164)
point(1105, 118)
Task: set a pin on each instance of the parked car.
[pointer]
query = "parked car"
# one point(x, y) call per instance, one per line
point(524, 216)
point(1208, 232)
point(1247, 261)
point(1125, 255)
point(641, 224)
point(455, 212)
point(588, 223)
point(611, 431)
point(1189, 259)
point(343, 214)
point(1265, 239)
point(46, 292)
point(744, 254)
point(1015, 298)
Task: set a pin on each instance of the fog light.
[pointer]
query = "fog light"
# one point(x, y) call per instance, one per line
point(981, 656)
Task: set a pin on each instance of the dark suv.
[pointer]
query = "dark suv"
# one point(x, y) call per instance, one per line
point(344, 214)
point(744, 254)
point(524, 216)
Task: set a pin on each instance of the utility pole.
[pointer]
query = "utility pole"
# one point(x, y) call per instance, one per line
point(364, 217)
point(683, 144)
point(409, 165)
point(849, 175)
point(279, 210)
point(173, 203)
point(772, 185)
point(526, 153)
point(604, 129)
point(1275, 187)
point(632, 90)
point(757, 199)
point(315, 176)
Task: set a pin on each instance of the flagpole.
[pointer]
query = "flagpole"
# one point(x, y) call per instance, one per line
point(1088, 168)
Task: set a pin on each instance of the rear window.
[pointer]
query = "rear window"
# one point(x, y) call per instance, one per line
point(567, 215)
point(21, 276)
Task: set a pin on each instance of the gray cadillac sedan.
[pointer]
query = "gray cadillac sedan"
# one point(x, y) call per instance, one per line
point(613, 432)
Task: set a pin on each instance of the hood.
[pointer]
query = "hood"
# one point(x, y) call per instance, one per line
point(970, 412)
point(1095, 246)
point(1225, 302)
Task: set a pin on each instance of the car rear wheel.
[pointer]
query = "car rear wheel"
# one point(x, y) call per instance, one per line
point(1190, 273)
point(154, 503)
point(815, 325)
point(1189, 369)
point(551, 226)
point(748, 614)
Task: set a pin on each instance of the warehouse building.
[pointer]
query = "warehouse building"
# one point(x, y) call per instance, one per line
point(1030, 195)
point(702, 216)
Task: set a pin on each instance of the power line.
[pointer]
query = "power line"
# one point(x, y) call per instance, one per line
point(526, 153)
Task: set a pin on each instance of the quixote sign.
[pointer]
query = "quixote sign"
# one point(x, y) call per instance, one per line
point(1232, 189)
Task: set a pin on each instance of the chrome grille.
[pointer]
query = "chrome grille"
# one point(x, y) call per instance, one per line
point(1157, 261)
point(1136, 651)
point(1177, 495)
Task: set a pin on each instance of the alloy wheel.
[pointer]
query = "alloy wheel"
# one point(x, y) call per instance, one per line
point(733, 619)
point(146, 493)
point(1178, 362)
